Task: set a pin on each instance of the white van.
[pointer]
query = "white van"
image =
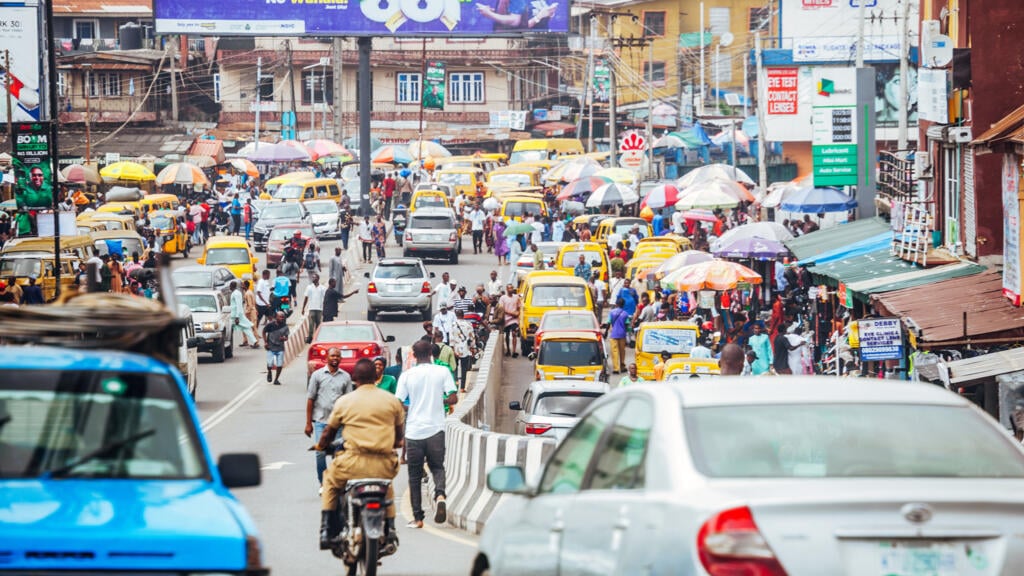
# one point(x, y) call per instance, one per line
point(188, 351)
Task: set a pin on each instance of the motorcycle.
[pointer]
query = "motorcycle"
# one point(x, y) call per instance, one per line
point(398, 222)
point(281, 304)
point(480, 327)
point(361, 513)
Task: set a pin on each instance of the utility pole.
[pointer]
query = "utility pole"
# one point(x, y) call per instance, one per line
point(291, 80)
point(312, 103)
point(762, 162)
point(174, 79)
point(339, 98)
point(88, 114)
point(256, 101)
point(588, 87)
point(861, 13)
point(718, 60)
point(904, 56)
point(423, 86)
point(613, 141)
point(650, 106)
point(746, 84)
point(7, 85)
point(700, 107)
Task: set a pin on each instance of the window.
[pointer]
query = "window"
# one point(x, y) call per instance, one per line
point(409, 88)
point(718, 20)
point(558, 296)
point(659, 73)
point(620, 464)
point(266, 88)
point(111, 84)
point(62, 84)
point(759, 18)
point(317, 87)
point(466, 88)
point(568, 465)
point(91, 87)
point(85, 29)
point(654, 24)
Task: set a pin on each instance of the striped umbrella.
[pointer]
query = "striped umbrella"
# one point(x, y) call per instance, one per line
point(751, 248)
point(700, 215)
point(279, 152)
point(712, 171)
point(612, 195)
point(705, 196)
point(767, 230)
point(78, 174)
point(573, 169)
point(620, 175)
point(711, 275)
point(326, 148)
point(686, 258)
point(661, 196)
point(582, 186)
point(182, 173)
point(727, 186)
point(392, 154)
point(244, 166)
point(300, 147)
point(429, 149)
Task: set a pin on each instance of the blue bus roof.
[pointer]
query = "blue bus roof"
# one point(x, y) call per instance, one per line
point(53, 358)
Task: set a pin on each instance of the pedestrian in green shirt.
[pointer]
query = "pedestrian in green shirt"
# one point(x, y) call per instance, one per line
point(384, 381)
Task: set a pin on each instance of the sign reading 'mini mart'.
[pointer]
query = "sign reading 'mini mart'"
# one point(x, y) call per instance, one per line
point(835, 133)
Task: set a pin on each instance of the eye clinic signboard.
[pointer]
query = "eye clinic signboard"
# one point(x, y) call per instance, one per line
point(413, 18)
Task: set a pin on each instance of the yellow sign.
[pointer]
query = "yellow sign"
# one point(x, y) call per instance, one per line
point(854, 335)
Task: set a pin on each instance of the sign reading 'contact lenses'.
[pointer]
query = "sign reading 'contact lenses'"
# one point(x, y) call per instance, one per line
point(361, 17)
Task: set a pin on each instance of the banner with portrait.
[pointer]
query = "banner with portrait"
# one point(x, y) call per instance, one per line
point(31, 162)
point(433, 86)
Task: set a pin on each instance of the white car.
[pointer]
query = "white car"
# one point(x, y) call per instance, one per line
point(768, 476)
point(524, 265)
point(326, 218)
point(550, 408)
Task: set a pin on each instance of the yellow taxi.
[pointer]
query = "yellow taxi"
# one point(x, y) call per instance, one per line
point(545, 292)
point(658, 244)
point(519, 206)
point(653, 338)
point(428, 199)
point(621, 225)
point(570, 354)
point(462, 180)
point(135, 209)
point(273, 184)
point(233, 252)
point(109, 220)
point(513, 177)
point(683, 368)
point(152, 202)
point(569, 256)
point(311, 189)
point(169, 227)
point(26, 257)
point(532, 275)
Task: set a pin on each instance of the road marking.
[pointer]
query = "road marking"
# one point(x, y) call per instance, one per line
point(277, 465)
point(232, 406)
point(447, 535)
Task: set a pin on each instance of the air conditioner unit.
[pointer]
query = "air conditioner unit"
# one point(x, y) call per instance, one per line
point(960, 134)
point(922, 165)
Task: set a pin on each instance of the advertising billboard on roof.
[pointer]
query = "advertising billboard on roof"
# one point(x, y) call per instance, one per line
point(408, 18)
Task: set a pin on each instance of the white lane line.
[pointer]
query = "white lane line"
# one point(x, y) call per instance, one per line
point(232, 406)
point(446, 534)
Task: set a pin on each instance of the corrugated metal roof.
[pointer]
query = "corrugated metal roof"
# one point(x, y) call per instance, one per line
point(915, 277)
point(103, 7)
point(1010, 127)
point(985, 366)
point(212, 148)
point(829, 239)
point(938, 308)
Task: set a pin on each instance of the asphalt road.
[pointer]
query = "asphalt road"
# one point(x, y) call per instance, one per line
point(240, 411)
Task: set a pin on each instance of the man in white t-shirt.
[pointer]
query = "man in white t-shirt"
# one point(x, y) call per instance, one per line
point(476, 219)
point(443, 291)
point(613, 239)
point(263, 298)
point(315, 299)
point(427, 388)
point(797, 350)
point(677, 222)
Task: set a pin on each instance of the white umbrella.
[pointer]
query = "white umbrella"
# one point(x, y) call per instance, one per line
point(705, 196)
point(491, 204)
point(711, 171)
point(766, 230)
point(612, 195)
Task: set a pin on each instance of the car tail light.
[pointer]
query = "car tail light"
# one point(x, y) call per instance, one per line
point(317, 351)
point(371, 288)
point(452, 237)
point(371, 351)
point(729, 544)
point(426, 288)
point(537, 429)
point(408, 236)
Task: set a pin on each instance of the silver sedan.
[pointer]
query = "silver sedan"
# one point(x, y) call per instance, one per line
point(769, 476)
point(550, 408)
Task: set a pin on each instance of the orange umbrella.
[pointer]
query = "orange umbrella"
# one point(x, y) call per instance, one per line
point(244, 166)
point(327, 148)
point(182, 173)
point(713, 275)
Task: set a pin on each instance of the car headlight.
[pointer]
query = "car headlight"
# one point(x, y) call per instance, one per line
point(210, 326)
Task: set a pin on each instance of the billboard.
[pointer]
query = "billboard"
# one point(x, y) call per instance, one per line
point(826, 30)
point(19, 36)
point(361, 17)
point(433, 88)
point(31, 159)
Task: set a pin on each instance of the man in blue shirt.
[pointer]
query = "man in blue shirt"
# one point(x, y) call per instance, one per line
point(658, 223)
point(629, 297)
point(617, 335)
point(582, 269)
point(282, 288)
point(236, 214)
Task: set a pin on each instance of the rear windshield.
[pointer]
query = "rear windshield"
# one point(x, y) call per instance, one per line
point(583, 321)
point(527, 156)
point(571, 258)
point(564, 403)
point(511, 178)
point(429, 201)
point(431, 222)
point(515, 208)
point(282, 211)
point(456, 179)
point(345, 333)
point(569, 353)
point(227, 256)
point(126, 246)
point(558, 295)
point(848, 441)
point(625, 228)
point(674, 340)
point(322, 207)
point(289, 192)
point(95, 424)
point(285, 233)
point(398, 271)
point(193, 279)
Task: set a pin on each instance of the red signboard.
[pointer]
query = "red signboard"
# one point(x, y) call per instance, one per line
point(783, 93)
point(818, 4)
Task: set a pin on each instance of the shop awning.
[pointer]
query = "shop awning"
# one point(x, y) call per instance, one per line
point(870, 244)
point(938, 310)
point(836, 238)
point(984, 366)
point(916, 277)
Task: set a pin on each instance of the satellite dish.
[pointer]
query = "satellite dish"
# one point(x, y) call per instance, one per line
point(726, 40)
point(938, 51)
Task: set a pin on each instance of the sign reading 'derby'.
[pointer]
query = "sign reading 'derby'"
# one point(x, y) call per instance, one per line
point(361, 17)
point(880, 339)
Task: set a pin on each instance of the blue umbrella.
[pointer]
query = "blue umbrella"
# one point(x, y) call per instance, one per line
point(812, 200)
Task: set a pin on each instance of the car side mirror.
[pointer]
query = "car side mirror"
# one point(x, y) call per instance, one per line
point(432, 275)
point(239, 470)
point(200, 260)
point(193, 342)
point(507, 479)
point(389, 338)
point(515, 405)
point(366, 274)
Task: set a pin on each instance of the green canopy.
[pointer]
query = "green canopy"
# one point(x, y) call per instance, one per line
point(810, 245)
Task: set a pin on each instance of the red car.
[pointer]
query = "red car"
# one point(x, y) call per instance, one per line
point(281, 235)
point(356, 339)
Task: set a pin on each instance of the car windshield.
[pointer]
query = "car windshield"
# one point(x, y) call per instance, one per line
point(564, 403)
point(280, 233)
point(345, 333)
point(192, 278)
point(848, 441)
point(511, 178)
point(519, 208)
point(161, 223)
point(103, 424)
point(281, 211)
point(432, 222)
point(396, 271)
point(429, 201)
point(626, 228)
point(527, 156)
point(19, 267)
point(571, 258)
point(322, 207)
point(227, 256)
point(562, 321)
point(199, 302)
point(674, 340)
point(569, 353)
point(455, 179)
point(128, 246)
point(288, 192)
point(558, 295)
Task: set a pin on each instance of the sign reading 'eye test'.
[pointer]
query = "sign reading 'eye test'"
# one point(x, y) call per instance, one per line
point(361, 17)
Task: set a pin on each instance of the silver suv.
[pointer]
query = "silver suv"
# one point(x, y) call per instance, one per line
point(433, 232)
point(551, 408)
point(399, 285)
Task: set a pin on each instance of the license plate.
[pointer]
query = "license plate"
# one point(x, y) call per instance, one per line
point(348, 353)
point(436, 238)
point(917, 559)
point(403, 288)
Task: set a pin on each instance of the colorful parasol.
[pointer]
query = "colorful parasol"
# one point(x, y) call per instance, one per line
point(712, 275)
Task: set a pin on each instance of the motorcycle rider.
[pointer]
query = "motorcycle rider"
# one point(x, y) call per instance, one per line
point(372, 424)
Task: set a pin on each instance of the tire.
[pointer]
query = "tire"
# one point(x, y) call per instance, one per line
point(427, 313)
point(454, 257)
point(218, 353)
point(526, 346)
point(406, 254)
point(481, 567)
point(371, 314)
point(368, 559)
point(230, 352)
